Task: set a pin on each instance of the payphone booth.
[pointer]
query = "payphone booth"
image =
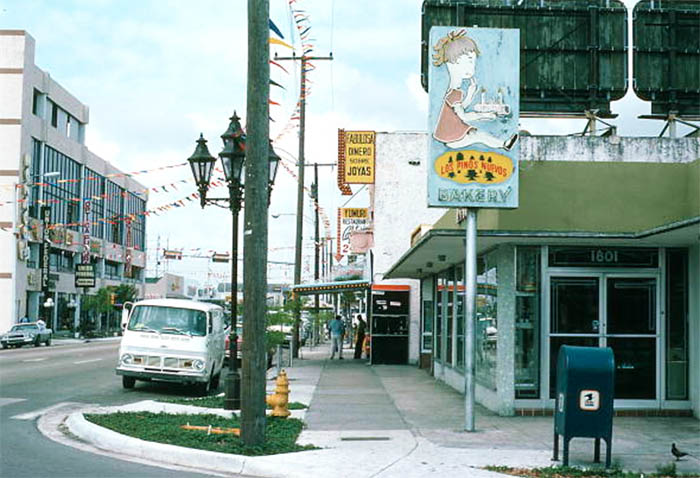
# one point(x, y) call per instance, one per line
point(389, 324)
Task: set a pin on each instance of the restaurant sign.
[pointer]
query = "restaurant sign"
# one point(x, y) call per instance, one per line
point(350, 220)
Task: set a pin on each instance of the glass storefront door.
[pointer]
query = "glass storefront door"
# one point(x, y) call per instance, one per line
point(619, 311)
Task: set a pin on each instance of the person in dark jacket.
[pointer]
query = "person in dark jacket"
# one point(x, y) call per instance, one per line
point(361, 329)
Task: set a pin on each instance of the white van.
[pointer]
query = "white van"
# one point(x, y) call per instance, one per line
point(172, 340)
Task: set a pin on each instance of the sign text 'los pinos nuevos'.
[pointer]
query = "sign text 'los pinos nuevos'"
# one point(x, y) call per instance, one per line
point(470, 166)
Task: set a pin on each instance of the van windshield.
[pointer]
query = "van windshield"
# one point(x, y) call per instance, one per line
point(168, 320)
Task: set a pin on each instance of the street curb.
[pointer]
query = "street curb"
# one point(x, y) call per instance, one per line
point(167, 454)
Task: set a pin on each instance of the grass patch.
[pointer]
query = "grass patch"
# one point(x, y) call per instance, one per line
point(664, 471)
point(218, 402)
point(280, 434)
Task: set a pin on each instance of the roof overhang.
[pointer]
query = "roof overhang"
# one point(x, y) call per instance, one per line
point(439, 249)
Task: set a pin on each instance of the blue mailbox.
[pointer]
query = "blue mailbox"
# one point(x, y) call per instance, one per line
point(584, 398)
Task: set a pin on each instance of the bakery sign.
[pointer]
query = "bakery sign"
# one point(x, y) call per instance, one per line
point(473, 144)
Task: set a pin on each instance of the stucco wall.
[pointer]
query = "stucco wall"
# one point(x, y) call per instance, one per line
point(612, 148)
point(400, 205)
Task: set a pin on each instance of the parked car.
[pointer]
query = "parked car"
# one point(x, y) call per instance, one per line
point(269, 339)
point(26, 334)
point(239, 342)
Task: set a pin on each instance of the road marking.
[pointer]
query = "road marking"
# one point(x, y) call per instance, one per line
point(87, 361)
point(7, 401)
point(34, 360)
point(41, 411)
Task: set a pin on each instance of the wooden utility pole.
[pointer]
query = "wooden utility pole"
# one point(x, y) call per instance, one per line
point(255, 226)
point(316, 251)
point(300, 189)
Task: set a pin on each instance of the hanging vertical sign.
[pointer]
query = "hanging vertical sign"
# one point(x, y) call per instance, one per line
point(127, 250)
point(45, 248)
point(359, 157)
point(473, 117)
point(87, 211)
point(350, 219)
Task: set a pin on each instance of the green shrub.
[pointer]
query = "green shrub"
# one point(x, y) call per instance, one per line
point(280, 433)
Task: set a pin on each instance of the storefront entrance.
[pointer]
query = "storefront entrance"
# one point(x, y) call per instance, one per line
point(616, 310)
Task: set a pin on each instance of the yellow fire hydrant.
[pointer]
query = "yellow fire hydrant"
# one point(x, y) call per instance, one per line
point(279, 400)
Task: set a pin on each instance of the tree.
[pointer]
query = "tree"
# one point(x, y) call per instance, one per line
point(124, 293)
point(101, 306)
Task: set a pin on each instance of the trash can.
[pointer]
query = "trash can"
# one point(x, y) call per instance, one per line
point(584, 398)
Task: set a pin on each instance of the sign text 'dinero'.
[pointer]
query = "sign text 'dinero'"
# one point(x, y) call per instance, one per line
point(359, 157)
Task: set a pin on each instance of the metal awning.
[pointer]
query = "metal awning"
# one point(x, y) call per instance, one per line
point(329, 287)
point(439, 249)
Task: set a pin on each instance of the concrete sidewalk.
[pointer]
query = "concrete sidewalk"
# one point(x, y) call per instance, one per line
point(386, 421)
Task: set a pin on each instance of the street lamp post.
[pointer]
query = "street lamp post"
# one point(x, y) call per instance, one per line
point(232, 160)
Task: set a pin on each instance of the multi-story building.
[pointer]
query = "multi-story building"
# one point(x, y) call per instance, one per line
point(60, 204)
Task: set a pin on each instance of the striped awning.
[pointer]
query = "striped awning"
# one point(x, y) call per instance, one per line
point(329, 287)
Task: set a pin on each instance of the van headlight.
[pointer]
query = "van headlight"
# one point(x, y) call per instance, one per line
point(127, 359)
point(198, 365)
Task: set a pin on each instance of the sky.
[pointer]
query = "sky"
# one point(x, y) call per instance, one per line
point(157, 73)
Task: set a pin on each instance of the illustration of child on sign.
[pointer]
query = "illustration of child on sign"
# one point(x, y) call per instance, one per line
point(454, 126)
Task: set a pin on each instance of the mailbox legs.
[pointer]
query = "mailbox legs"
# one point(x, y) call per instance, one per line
point(596, 450)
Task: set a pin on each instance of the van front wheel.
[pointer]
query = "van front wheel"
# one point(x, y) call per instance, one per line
point(203, 388)
point(128, 382)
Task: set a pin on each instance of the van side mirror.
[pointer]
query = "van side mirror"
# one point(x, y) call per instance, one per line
point(210, 323)
point(126, 310)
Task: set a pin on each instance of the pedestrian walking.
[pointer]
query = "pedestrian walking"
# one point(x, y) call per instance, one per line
point(360, 339)
point(337, 330)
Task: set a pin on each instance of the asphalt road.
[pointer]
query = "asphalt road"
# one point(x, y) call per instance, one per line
point(34, 379)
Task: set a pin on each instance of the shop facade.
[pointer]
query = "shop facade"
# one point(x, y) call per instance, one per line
point(603, 251)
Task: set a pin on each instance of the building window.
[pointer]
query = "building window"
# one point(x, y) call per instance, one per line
point(68, 125)
point(61, 261)
point(440, 310)
point(54, 114)
point(136, 221)
point(459, 317)
point(114, 200)
point(36, 103)
point(62, 192)
point(112, 270)
point(677, 324)
point(33, 259)
point(527, 323)
point(427, 334)
point(34, 190)
point(94, 190)
point(450, 317)
point(486, 330)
